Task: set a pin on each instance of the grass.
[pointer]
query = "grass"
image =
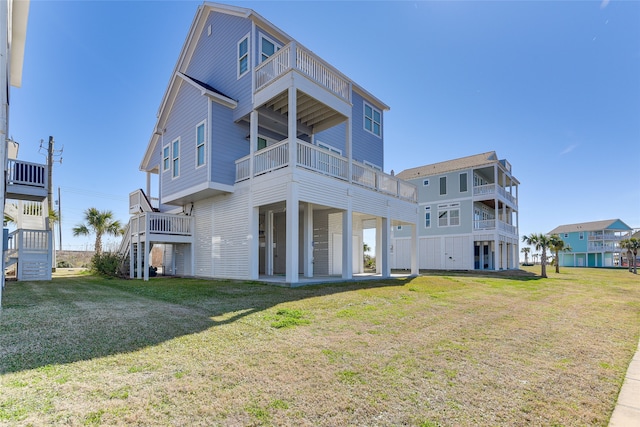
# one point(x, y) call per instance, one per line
point(437, 350)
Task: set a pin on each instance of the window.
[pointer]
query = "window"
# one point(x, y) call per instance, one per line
point(372, 165)
point(200, 145)
point(427, 217)
point(449, 215)
point(267, 47)
point(581, 235)
point(175, 155)
point(243, 56)
point(329, 148)
point(463, 182)
point(425, 183)
point(443, 185)
point(165, 159)
point(372, 120)
point(566, 235)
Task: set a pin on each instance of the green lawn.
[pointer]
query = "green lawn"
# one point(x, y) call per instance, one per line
point(441, 349)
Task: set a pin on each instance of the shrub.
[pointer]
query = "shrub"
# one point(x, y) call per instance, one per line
point(64, 264)
point(105, 264)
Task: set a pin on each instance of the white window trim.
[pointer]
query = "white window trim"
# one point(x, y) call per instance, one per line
point(449, 208)
point(204, 143)
point(248, 54)
point(277, 45)
point(174, 158)
point(328, 147)
point(364, 118)
point(168, 158)
point(372, 165)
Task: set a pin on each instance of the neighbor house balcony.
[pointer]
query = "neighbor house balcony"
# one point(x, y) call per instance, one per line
point(491, 190)
point(603, 248)
point(26, 181)
point(316, 159)
point(493, 224)
point(608, 237)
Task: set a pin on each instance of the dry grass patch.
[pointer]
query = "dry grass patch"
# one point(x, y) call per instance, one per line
point(441, 349)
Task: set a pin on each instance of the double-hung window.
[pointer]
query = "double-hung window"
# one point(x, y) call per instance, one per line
point(267, 47)
point(243, 56)
point(175, 158)
point(372, 119)
point(166, 165)
point(443, 185)
point(200, 146)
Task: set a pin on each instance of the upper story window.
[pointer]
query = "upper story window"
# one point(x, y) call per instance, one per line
point(427, 217)
point(463, 182)
point(581, 235)
point(443, 185)
point(200, 150)
point(372, 120)
point(165, 159)
point(243, 56)
point(175, 156)
point(267, 47)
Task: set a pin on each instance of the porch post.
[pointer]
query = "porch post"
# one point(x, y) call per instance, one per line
point(148, 184)
point(308, 240)
point(131, 271)
point(145, 270)
point(268, 238)
point(293, 220)
point(386, 234)
point(253, 139)
point(415, 250)
point(347, 243)
point(253, 241)
point(349, 148)
point(378, 245)
point(139, 254)
point(293, 128)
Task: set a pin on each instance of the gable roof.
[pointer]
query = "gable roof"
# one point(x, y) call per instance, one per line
point(607, 224)
point(476, 160)
point(187, 52)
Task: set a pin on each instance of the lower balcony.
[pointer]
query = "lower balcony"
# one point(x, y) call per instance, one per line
point(160, 227)
point(316, 159)
point(493, 224)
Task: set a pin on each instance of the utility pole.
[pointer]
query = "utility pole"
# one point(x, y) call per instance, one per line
point(50, 154)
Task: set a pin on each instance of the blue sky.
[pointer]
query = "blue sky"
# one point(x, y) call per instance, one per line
point(553, 87)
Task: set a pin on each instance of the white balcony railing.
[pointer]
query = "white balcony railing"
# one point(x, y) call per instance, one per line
point(491, 189)
point(314, 158)
point(603, 248)
point(491, 224)
point(26, 173)
point(294, 56)
point(161, 223)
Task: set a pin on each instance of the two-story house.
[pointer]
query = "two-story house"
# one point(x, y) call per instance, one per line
point(468, 216)
point(26, 250)
point(593, 244)
point(268, 162)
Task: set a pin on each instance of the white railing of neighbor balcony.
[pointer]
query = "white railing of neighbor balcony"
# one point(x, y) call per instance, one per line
point(297, 57)
point(26, 173)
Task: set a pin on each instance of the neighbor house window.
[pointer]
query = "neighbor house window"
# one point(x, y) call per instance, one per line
point(372, 119)
point(243, 56)
point(175, 156)
point(463, 182)
point(449, 215)
point(200, 145)
point(443, 185)
point(427, 217)
point(166, 165)
point(581, 235)
point(267, 47)
point(425, 183)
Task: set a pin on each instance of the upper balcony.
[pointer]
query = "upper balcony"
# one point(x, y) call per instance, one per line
point(491, 190)
point(26, 181)
point(493, 224)
point(316, 159)
point(295, 57)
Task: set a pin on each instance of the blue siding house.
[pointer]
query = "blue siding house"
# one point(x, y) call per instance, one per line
point(267, 162)
point(593, 244)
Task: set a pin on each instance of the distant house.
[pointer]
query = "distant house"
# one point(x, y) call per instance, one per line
point(593, 244)
point(268, 162)
point(468, 215)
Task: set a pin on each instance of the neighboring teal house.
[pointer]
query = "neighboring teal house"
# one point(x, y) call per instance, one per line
point(593, 244)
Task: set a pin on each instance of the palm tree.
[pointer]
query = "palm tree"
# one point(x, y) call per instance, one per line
point(98, 223)
point(540, 242)
point(526, 251)
point(631, 245)
point(557, 245)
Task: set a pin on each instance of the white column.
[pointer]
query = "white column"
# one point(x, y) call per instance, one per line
point(415, 250)
point(293, 127)
point(149, 185)
point(139, 254)
point(292, 232)
point(378, 245)
point(385, 240)
point(253, 241)
point(145, 270)
point(349, 148)
point(253, 138)
point(308, 239)
point(268, 237)
point(347, 243)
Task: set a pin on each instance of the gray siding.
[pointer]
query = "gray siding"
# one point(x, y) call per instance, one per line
point(366, 146)
point(228, 144)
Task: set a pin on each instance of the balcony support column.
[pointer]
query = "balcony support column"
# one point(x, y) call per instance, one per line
point(253, 139)
point(378, 245)
point(292, 123)
point(307, 226)
point(253, 240)
point(349, 149)
point(292, 238)
point(347, 242)
point(268, 238)
point(415, 248)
